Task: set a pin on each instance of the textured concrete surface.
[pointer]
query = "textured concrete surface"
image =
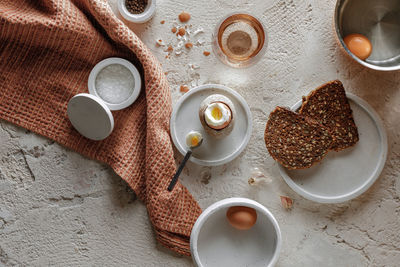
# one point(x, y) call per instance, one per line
point(58, 208)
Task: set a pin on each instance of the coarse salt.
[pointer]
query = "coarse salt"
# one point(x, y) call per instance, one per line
point(114, 84)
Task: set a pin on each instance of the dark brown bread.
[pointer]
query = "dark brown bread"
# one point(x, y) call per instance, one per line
point(329, 106)
point(296, 141)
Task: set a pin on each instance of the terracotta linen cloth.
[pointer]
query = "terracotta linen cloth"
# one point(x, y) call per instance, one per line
point(47, 50)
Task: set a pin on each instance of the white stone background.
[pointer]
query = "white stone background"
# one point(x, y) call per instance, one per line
point(59, 208)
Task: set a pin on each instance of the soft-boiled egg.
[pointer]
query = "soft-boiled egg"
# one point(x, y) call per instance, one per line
point(193, 139)
point(218, 115)
point(242, 218)
point(359, 45)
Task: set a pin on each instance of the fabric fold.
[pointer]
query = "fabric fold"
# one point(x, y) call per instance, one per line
point(47, 50)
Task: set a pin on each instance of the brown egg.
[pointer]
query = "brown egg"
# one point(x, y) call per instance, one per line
point(359, 45)
point(242, 218)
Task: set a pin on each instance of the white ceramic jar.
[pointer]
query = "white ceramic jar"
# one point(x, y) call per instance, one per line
point(90, 113)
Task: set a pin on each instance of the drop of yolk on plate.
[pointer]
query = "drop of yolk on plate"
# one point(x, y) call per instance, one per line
point(216, 113)
point(359, 45)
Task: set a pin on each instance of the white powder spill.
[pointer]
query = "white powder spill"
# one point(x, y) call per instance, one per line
point(114, 84)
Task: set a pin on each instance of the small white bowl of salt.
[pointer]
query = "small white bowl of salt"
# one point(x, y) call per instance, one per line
point(114, 84)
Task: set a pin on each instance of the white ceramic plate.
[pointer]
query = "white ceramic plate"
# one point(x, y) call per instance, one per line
point(344, 175)
point(215, 243)
point(185, 118)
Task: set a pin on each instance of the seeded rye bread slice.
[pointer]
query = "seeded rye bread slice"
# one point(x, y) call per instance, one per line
point(329, 106)
point(296, 141)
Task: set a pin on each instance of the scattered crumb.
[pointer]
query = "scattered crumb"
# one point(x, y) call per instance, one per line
point(181, 31)
point(287, 202)
point(162, 22)
point(201, 41)
point(184, 17)
point(251, 181)
point(184, 89)
point(160, 42)
point(205, 176)
point(197, 31)
point(170, 48)
point(188, 45)
point(206, 53)
point(165, 73)
point(173, 30)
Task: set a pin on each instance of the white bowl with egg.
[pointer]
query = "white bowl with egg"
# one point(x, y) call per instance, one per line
point(215, 242)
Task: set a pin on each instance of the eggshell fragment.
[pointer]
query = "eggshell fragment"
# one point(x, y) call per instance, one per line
point(287, 202)
point(184, 17)
point(242, 218)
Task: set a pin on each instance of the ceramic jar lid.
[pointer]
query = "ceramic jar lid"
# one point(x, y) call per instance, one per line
point(90, 116)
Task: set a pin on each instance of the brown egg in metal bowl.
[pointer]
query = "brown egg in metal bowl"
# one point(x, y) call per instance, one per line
point(378, 24)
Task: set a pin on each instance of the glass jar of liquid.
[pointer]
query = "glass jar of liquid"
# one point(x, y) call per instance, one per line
point(239, 40)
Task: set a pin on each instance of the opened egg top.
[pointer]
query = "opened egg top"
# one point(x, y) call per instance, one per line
point(217, 115)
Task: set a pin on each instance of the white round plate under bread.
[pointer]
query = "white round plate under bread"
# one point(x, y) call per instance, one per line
point(212, 152)
point(345, 175)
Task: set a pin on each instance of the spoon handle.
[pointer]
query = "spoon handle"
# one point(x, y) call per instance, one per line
point(178, 172)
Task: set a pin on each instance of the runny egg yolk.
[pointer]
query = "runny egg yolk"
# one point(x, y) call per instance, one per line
point(194, 141)
point(216, 113)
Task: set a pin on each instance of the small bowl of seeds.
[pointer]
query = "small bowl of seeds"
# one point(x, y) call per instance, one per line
point(137, 11)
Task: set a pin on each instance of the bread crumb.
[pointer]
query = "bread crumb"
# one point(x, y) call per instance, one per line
point(184, 89)
point(287, 202)
point(170, 48)
point(181, 31)
point(188, 45)
point(184, 17)
point(206, 53)
point(173, 30)
point(162, 22)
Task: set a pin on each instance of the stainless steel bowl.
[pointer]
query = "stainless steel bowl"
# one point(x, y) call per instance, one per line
point(379, 20)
